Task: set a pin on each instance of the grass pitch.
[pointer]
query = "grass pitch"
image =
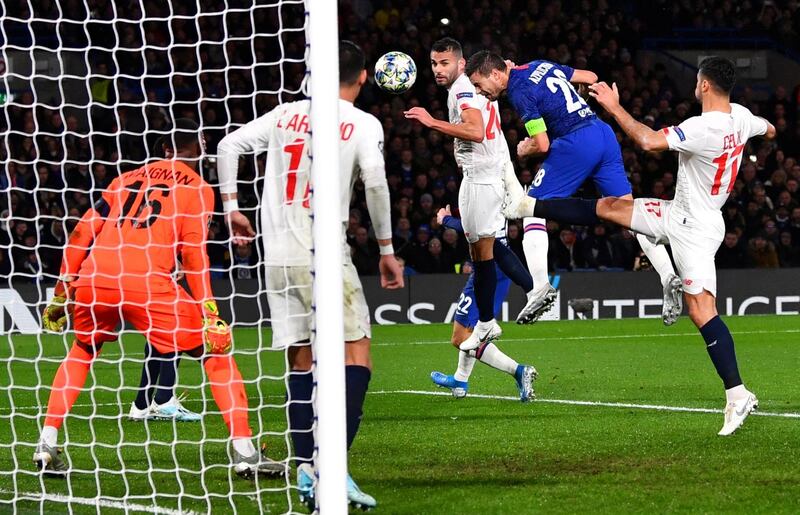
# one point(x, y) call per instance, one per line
point(601, 437)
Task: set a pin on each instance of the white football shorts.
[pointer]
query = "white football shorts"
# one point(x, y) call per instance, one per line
point(290, 297)
point(694, 242)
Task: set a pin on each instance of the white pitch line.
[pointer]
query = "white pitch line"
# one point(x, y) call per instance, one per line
point(586, 337)
point(657, 407)
point(93, 501)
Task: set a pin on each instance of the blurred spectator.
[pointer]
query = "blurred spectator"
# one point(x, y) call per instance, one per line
point(243, 262)
point(365, 252)
point(598, 250)
point(788, 253)
point(436, 262)
point(761, 252)
point(454, 246)
point(731, 253)
point(568, 253)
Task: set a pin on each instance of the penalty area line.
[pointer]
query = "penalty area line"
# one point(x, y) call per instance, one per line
point(656, 407)
point(93, 501)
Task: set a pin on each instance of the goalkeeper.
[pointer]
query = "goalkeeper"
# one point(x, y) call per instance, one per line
point(134, 234)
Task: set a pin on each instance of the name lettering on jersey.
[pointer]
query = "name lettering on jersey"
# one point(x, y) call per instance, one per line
point(540, 72)
point(732, 141)
point(299, 123)
point(165, 174)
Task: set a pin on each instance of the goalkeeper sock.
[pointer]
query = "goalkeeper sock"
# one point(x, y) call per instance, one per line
point(510, 264)
point(67, 384)
point(485, 282)
point(301, 415)
point(150, 370)
point(495, 358)
point(166, 378)
point(357, 381)
point(244, 446)
point(228, 391)
point(49, 436)
point(465, 365)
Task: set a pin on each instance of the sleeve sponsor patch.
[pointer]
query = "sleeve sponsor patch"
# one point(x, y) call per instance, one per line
point(464, 94)
point(680, 133)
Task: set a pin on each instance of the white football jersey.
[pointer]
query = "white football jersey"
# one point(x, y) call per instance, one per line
point(285, 200)
point(710, 150)
point(481, 162)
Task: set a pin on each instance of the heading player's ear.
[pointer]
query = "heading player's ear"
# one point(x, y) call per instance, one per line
point(362, 78)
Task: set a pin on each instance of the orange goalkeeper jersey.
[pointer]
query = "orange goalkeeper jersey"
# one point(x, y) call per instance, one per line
point(156, 213)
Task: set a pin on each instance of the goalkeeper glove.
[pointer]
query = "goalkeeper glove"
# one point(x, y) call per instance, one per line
point(216, 332)
point(54, 317)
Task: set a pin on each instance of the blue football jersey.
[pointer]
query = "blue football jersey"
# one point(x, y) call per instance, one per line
point(544, 98)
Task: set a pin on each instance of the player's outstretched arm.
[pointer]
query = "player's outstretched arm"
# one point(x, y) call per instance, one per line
point(583, 77)
point(644, 137)
point(470, 129)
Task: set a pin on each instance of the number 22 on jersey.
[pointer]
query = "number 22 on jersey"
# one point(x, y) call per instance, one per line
point(295, 151)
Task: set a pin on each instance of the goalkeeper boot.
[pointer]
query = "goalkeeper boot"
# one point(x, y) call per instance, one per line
point(357, 498)
point(305, 485)
point(138, 415)
point(457, 388)
point(525, 376)
point(539, 302)
point(673, 300)
point(173, 410)
point(484, 333)
point(47, 460)
point(248, 467)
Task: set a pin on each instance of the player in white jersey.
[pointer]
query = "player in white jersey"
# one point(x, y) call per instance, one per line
point(709, 154)
point(286, 228)
point(482, 154)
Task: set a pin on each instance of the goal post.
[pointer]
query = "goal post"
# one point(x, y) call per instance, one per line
point(86, 91)
point(328, 277)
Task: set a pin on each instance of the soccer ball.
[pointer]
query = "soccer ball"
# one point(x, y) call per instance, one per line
point(395, 72)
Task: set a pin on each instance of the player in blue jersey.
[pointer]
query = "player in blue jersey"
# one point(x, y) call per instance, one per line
point(578, 145)
point(466, 317)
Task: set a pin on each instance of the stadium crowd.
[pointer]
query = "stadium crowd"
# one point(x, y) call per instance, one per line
point(58, 157)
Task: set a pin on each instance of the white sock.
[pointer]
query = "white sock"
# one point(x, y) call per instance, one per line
point(49, 435)
point(465, 365)
point(657, 254)
point(244, 446)
point(536, 243)
point(736, 393)
point(495, 358)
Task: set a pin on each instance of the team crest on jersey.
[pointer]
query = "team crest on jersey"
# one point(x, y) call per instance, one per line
point(464, 94)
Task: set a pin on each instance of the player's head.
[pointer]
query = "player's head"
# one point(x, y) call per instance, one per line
point(186, 142)
point(488, 73)
point(352, 72)
point(716, 75)
point(447, 61)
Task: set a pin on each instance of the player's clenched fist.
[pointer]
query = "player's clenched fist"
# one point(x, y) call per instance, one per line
point(420, 114)
point(216, 332)
point(606, 96)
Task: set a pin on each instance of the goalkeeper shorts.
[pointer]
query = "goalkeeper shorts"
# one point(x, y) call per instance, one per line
point(170, 321)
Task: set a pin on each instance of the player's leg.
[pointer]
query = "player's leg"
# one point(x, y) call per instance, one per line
point(481, 207)
point(166, 405)
point(358, 368)
point(172, 321)
point(95, 317)
point(612, 181)
point(694, 255)
point(140, 409)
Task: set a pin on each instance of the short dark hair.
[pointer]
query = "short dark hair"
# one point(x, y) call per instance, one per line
point(448, 45)
point(721, 72)
point(185, 133)
point(351, 62)
point(484, 62)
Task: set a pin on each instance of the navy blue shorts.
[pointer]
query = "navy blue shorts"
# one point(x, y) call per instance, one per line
point(467, 310)
point(589, 152)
